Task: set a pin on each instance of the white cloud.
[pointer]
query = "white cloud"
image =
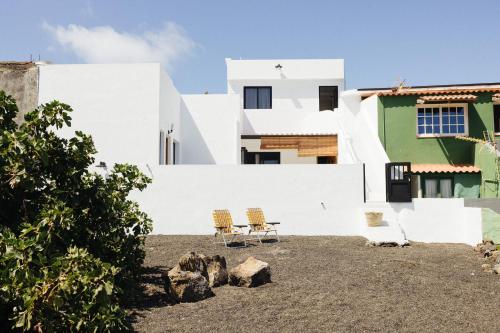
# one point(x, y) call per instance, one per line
point(106, 45)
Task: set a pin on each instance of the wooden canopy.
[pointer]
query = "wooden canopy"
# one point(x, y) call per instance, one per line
point(307, 146)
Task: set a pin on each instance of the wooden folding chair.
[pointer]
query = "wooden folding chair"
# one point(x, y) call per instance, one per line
point(224, 227)
point(258, 224)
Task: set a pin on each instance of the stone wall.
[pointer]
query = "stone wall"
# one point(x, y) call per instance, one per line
point(20, 80)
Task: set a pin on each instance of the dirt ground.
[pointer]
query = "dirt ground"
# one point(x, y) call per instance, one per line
point(329, 284)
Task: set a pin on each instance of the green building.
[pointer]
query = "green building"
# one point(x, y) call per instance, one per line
point(421, 125)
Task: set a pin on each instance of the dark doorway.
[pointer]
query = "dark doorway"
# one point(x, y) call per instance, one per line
point(262, 158)
point(398, 182)
point(326, 160)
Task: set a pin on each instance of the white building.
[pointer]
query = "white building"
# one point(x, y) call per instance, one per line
point(292, 112)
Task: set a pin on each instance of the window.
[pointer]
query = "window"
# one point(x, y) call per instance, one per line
point(326, 160)
point(262, 158)
point(175, 152)
point(442, 120)
point(257, 98)
point(328, 98)
point(496, 113)
point(438, 188)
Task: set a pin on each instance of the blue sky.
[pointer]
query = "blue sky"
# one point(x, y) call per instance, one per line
point(423, 42)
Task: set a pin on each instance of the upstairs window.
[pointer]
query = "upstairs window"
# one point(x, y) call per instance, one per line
point(328, 98)
point(257, 98)
point(442, 120)
point(496, 113)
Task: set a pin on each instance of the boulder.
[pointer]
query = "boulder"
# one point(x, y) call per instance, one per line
point(187, 286)
point(217, 270)
point(496, 268)
point(251, 273)
point(192, 262)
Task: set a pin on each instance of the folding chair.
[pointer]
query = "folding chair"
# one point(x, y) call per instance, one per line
point(258, 224)
point(224, 227)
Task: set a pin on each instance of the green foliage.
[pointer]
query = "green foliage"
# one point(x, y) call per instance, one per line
point(70, 240)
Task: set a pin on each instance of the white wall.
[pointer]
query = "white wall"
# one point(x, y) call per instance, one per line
point(440, 220)
point(288, 94)
point(181, 198)
point(358, 143)
point(297, 69)
point(210, 129)
point(117, 104)
point(169, 113)
point(295, 93)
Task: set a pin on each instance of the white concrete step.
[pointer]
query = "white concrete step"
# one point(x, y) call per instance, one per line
point(390, 231)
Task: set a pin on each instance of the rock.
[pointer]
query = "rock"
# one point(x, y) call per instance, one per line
point(496, 268)
point(251, 273)
point(217, 271)
point(486, 268)
point(495, 254)
point(187, 286)
point(386, 244)
point(192, 262)
point(487, 247)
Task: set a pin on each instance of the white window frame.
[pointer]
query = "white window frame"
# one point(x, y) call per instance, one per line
point(441, 106)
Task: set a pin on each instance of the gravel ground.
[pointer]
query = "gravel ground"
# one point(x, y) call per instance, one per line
point(328, 284)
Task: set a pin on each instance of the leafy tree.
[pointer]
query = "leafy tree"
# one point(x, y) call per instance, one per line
point(70, 240)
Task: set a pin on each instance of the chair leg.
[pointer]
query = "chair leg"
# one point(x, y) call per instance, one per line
point(277, 237)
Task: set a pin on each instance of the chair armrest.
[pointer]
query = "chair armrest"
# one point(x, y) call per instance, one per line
point(240, 225)
point(272, 223)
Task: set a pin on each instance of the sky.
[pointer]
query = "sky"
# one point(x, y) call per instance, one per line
point(382, 42)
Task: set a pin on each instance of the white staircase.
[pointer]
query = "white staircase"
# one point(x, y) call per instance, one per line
point(390, 231)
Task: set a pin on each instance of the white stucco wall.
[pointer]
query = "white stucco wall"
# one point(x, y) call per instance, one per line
point(210, 129)
point(295, 93)
point(296, 69)
point(117, 104)
point(440, 220)
point(358, 143)
point(181, 198)
point(169, 113)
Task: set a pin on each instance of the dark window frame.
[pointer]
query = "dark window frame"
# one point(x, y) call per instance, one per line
point(496, 123)
point(258, 88)
point(335, 98)
point(250, 157)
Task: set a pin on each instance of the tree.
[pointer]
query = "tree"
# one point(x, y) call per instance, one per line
point(70, 239)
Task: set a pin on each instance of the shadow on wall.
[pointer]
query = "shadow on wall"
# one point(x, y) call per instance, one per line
point(448, 144)
point(194, 149)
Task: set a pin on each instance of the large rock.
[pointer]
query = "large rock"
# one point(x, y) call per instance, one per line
point(217, 271)
point(187, 286)
point(251, 273)
point(193, 262)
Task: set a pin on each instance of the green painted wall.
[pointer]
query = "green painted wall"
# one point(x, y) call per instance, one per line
point(467, 185)
point(486, 161)
point(491, 225)
point(398, 134)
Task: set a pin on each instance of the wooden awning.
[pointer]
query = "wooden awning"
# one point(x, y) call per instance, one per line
point(307, 146)
point(447, 98)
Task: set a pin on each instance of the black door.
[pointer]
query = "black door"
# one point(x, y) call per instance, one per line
point(398, 182)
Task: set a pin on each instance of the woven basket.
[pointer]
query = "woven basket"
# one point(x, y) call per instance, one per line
point(374, 219)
